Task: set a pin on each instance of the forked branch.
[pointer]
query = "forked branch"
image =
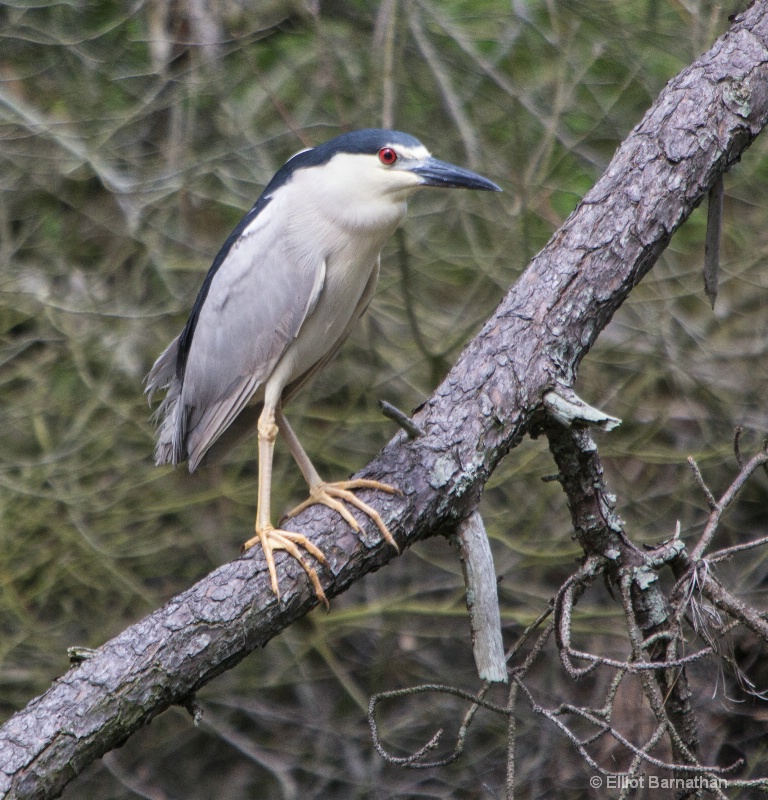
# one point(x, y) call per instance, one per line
point(699, 126)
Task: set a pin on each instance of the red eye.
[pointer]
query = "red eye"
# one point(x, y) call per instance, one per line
point(387, 156)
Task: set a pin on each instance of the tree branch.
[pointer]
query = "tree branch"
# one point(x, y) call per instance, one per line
point(699, 126)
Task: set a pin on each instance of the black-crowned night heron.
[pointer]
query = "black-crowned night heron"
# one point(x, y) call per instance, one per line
point(279, 300)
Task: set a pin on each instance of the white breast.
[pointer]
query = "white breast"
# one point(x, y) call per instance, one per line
point(350, 237)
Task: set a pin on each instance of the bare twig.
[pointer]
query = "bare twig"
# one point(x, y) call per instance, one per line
point(711, 502)
point(453, 102)
point(556, 311)
point(737, 446)
point(482, 598)
point(415, 760)
point(728, 552)
point(401, 418)
point(387, 19)
point(511, 741)
point(725, 501)
point(712, 242)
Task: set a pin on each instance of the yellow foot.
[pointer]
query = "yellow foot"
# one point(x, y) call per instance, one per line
point(332, 495)
point(272, 539)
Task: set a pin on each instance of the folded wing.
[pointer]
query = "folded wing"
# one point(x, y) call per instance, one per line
point(256, 301)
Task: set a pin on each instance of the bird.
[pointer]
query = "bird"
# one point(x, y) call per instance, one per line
point(280, 298)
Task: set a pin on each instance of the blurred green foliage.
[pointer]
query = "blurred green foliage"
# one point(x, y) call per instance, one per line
point(132, 139)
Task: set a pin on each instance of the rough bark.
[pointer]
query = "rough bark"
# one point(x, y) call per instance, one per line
point(699, 126)
point(600, 532)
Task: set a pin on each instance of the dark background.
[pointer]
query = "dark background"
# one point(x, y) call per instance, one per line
point(132, 139)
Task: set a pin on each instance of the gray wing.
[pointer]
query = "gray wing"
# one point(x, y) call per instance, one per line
point(256, 303)
point(247, 421)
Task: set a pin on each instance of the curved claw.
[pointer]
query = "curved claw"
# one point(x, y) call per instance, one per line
point(272, 539)
point(334, 495)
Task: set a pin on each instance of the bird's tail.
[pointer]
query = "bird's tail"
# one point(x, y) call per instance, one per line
point(171, 415)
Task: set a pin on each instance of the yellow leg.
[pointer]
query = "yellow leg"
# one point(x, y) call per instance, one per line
point(333, 495)
point(267, 535)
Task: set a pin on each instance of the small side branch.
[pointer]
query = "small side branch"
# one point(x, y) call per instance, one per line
point(600, 532)
point(482, 599)
point(712, 242)
point(568, 408)
point(718, 507)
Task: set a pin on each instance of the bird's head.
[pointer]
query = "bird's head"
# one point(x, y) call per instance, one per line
point(368, 175)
